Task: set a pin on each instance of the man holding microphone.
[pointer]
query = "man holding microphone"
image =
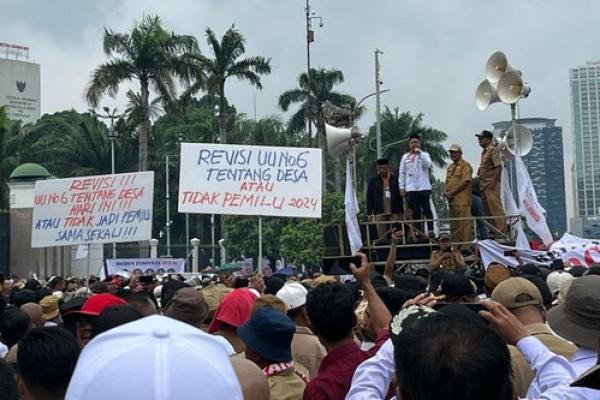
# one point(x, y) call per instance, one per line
point(414, 183)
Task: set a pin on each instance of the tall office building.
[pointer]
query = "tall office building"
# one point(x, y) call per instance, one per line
point(585, 117)
point(545, 164)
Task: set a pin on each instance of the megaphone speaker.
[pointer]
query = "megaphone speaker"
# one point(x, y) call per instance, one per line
point(485, 95)
point(338, 139)
point(496, 66)
point(520, 143)
point(511, 88)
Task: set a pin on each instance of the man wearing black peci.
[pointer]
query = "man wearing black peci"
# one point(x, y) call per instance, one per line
point(383, 197)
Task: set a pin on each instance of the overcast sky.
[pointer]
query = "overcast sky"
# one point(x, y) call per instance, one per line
point(434, 51)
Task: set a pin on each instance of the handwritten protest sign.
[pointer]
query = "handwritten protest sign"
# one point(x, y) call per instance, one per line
point(93, 209)
point(250, 180)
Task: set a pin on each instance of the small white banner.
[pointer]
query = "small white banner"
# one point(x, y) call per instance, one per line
point(93, 209)
point(145, 266)
point(250, 180)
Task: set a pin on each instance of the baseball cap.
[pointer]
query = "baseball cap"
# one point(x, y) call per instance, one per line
point(213, 294)
point(293, 294)
point(383, 161)
point(556, 279)
point(507, 291)
point(50, 307)
point(269, 333)
point(94, 305)
point(188, 305)
point(233, 310)
point(495, 274)
point(578, 319)
point(455, 147)
point(444, 235)
point(485, 133)
point(171, 359)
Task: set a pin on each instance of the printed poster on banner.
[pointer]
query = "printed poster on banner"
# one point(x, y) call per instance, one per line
point(250, 180)
point(93, 209)
point(145, 266)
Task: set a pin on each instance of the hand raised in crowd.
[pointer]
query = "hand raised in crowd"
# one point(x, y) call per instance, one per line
point(504, 322)
point(257, 282)
point(396, 235)
point(424, 299)
point(363, 272)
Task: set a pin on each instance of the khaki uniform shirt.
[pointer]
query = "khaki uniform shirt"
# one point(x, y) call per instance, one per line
point(456, 261)
point(490, 160)
point(457, 173)
point(522, 374)
point(288, 385)
point(307, 350)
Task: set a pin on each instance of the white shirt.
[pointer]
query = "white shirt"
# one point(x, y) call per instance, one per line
point(372, 378)
point(413, 173)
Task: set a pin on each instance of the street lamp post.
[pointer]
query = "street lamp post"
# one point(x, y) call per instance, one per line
point(112, 134)
point(378, 103)
point(310, 37)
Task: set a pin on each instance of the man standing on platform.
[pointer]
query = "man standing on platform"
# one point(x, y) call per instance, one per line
point(413, 180)
point(490, 170)
point(458, 193)
point(383, 198)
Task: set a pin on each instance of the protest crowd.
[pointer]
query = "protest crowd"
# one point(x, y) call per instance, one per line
point(502, 333)
point(446, 330)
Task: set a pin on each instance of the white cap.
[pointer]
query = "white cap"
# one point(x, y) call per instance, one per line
point(166, 358)
point(556, 279)
point(293, 294)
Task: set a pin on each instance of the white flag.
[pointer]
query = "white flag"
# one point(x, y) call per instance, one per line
point(351, 206)
point(529, 206)
point(82, 251)
point(510, 208)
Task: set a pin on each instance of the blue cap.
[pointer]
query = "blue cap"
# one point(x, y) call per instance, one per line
point(269, 334)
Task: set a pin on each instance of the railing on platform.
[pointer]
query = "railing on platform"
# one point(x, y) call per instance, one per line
point(409, 250)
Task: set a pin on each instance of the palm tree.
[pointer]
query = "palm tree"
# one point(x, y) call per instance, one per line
point(151, 56)
point(396, 127)
point(226, 63)
point(323, 82)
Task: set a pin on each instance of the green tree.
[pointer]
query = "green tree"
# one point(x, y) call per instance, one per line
point(226, 63)
point(396, 128)
point(154, 58)
point(11, 134)
point(72, 144)
point(322, 84)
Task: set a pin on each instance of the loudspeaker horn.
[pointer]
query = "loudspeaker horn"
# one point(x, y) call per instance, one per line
point(511, 88)
point(485, 95)
point(520, 144)
point(338, 139)
point(496, 66)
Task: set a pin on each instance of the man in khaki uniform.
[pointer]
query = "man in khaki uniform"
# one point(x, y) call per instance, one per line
point(524, 300)
point(458, 193)
point(446, 259)
point(490, 170)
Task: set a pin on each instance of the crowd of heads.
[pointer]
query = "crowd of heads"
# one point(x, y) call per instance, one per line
point(257, 337)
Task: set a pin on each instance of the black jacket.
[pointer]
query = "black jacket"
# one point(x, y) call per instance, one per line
point(375, 196)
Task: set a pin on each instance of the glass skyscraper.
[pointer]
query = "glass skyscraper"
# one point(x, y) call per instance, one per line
point(585, 116)
point(545, 164)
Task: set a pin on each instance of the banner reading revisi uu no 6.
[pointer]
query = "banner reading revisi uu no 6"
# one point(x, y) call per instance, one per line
point(93, 209)
point(250, 180)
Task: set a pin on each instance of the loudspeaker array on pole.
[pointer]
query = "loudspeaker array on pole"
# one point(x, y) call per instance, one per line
point(503, 83)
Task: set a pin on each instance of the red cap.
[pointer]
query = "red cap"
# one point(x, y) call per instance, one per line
point(234, 309)
point(94, 305)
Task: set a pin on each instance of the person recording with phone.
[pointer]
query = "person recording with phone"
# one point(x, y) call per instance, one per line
point(447, 259)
